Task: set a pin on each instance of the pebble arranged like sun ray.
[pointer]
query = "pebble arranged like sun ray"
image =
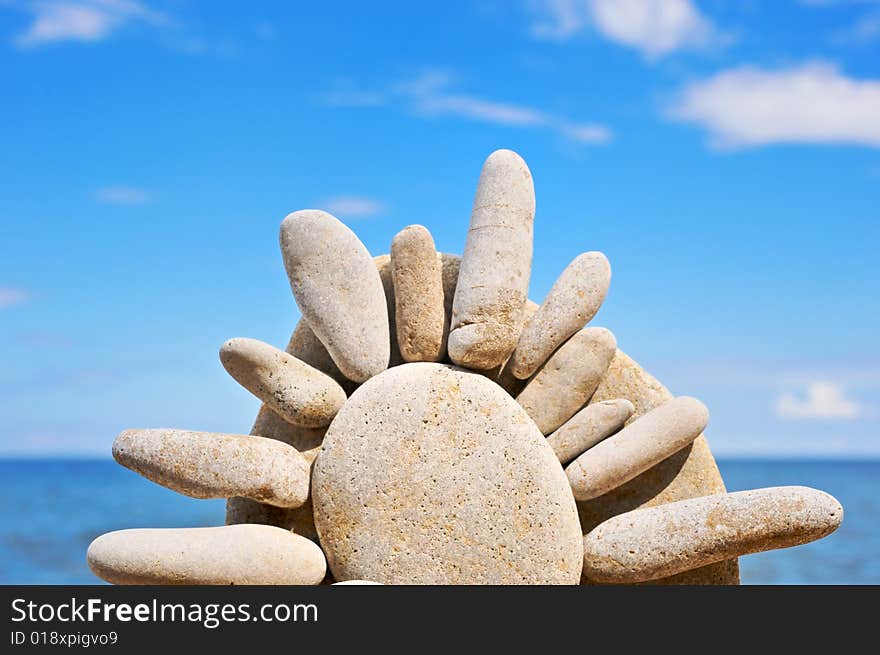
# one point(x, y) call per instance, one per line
point(433, 473)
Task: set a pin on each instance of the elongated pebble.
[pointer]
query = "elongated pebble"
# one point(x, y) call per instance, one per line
point(573, 301)
point(689, 473)
point(655, 542)
point(338, 290)
point(228, 555)
point(357, 582)
point(639, 446)
point(299, 519)
point(418, 294)
point(588, 427)
point(450, 267)
point(493, 283)
point(305, 346)
point(568, 379)
point(210, 465)
point(299, 393)
point(383, 265)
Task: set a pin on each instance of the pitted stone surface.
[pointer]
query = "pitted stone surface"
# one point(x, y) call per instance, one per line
point(418, 294)
point(654, 542)
point(296, 391)
point(432, 474)
point(212, 465)
point(493, 284)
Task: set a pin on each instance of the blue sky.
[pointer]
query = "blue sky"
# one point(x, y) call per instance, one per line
point(725, 156)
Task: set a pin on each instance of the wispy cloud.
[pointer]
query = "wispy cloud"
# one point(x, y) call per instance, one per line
point(654, 27)
point(811, 103)
point(353, 206)
point(822, 401)
point(82, 20)
point(10, 296)
point(123, 195)
point(434, 93)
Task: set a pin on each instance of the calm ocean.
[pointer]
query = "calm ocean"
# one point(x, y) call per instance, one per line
point(53, 509)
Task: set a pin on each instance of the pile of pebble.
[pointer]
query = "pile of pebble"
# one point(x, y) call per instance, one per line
point(428, 424)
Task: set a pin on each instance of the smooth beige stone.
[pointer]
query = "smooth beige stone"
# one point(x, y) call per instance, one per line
point(493, 283)
point(228, 555)
point(568, 379)
point(502, 374)
point(639, 446)
point(654, 542)
point(573, 301)
point(689, 473)
point(305, 346)
point(588, 427)
point(451, 265)
point(297, 392)
point(300, 519)
point(418, 293)
point(434, 475)
point(383, 265)
point(357, 582)
point(338, 290)
point(210, 465)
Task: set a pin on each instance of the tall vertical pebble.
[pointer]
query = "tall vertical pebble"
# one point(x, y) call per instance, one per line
point(493, 284)
point(418, 295)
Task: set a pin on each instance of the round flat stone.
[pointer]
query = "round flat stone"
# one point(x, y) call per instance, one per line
point(434, 475)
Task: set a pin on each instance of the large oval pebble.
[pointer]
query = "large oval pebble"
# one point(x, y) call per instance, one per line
point(654, 542)
point(434, 475)
point(211, 465)
point(338, 290)
point(568, 379)
point(228, 555)
point(572, 302)
point(639, 446)
point(493, 283)
point(299, 393)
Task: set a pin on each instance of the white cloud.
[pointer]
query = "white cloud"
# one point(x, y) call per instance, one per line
point(11, 296)
point(353, 206)
point(433, 93)
point(122, 195)
point(822, 401)
point(654, 27)
point(811, 103)
point(81, 20)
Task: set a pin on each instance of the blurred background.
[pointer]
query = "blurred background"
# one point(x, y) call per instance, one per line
point(725, 156)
